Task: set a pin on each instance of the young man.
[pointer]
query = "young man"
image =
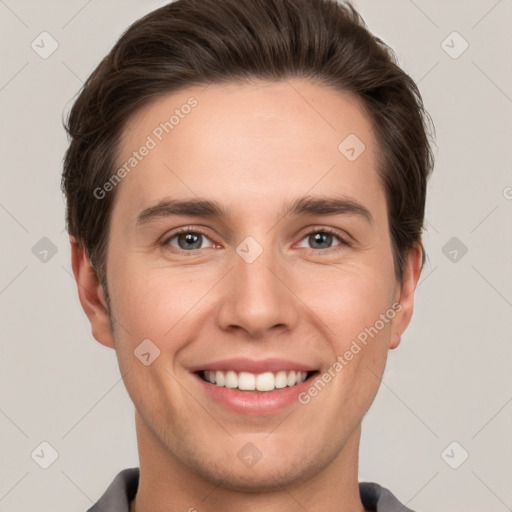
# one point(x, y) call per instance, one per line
point(246, 186)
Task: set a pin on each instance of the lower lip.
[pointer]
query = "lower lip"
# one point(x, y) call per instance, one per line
point(254, 402)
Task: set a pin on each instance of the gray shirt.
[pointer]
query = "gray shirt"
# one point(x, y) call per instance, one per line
point(124, 487)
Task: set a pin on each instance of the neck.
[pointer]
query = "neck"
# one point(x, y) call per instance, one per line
point(167, 485)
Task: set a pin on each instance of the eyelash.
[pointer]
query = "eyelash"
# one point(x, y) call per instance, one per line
point(329, 231)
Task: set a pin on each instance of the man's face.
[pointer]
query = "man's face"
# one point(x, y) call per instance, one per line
point(257, 290)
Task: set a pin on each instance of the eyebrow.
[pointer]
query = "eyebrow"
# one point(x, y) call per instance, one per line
point(311, 206)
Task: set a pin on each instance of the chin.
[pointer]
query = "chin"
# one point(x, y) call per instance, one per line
point(264, 476)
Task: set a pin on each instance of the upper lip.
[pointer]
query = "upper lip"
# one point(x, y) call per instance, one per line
point(253, 366)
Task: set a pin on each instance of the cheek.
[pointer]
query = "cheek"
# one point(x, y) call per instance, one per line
point(156, 317)
point(151, 302)
point(360, 313)
point(169, 308)
point(350, 300)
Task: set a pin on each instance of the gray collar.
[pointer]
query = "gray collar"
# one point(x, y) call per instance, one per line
point(124, 487)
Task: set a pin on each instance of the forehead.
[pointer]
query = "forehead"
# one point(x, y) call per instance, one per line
point(259, 140)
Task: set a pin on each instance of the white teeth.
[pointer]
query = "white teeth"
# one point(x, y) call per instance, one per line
point(281, 380)
point(219, 378)
point(247, 381)
point(265, 381)
point(231, 379)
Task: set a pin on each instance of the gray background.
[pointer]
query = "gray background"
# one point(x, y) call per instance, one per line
point(449, 381)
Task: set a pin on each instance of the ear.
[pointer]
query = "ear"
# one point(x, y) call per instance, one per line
point(405, 294)
point(90, 293)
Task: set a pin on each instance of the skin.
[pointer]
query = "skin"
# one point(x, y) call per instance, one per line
point(252, 147)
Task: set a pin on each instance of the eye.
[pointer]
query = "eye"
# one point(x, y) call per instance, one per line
point(190, 240)
point(323, 239)
point(187, 240)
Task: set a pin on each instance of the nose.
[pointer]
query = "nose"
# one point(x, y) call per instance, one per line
point(258, 296)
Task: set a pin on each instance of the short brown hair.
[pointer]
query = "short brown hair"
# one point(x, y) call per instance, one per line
point(196, 42)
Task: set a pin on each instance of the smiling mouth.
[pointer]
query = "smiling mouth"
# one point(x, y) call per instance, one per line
point(246, 381)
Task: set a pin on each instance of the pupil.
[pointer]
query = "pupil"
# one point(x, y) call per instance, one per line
point(191, 241)
point(322, 238)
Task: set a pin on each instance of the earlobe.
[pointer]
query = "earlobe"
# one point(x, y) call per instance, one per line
point(90, 293)
point(406, 294)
